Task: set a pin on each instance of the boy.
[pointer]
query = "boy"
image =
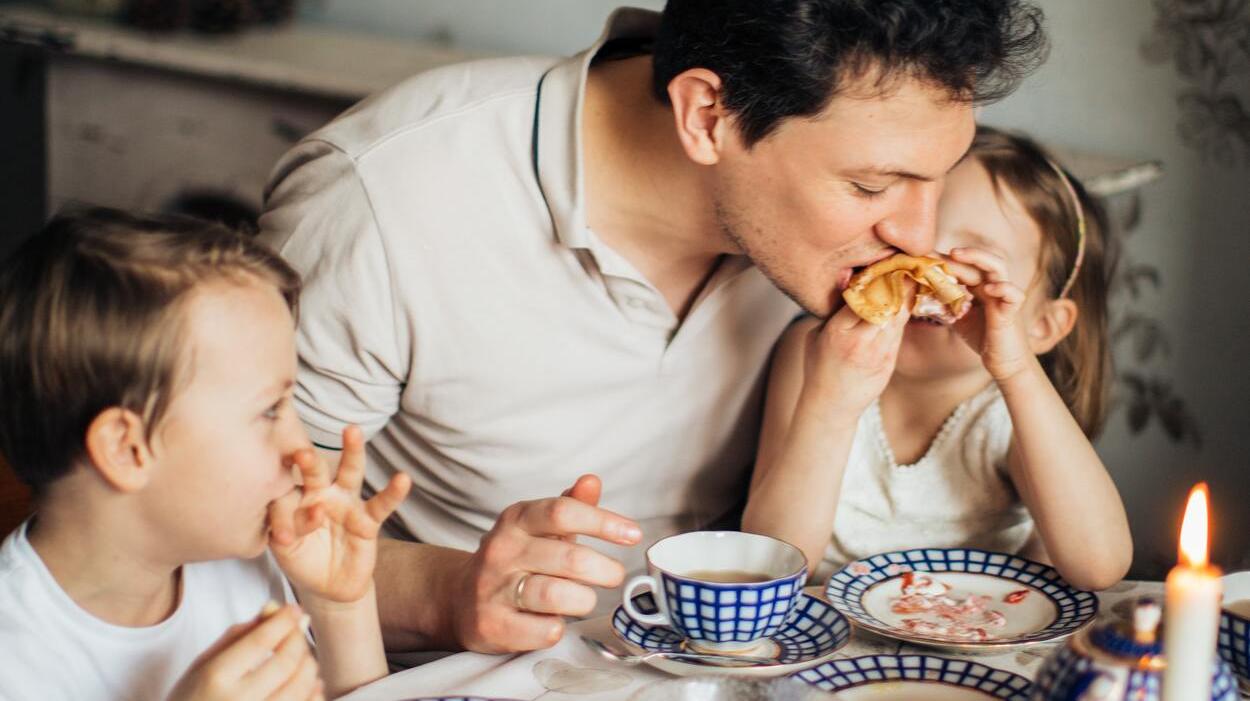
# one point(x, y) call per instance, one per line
point(146, 366)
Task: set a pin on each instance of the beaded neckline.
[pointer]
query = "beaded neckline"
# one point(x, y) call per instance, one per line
point(883, 442)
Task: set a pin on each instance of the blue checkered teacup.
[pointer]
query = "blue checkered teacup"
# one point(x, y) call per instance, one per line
point(723, 591)
point(1234, 636)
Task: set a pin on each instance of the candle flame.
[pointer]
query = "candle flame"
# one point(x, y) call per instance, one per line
point(1194, 528)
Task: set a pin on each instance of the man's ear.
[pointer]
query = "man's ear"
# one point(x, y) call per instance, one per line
point(118, 451)
point(699, 114)
point(1055, 321)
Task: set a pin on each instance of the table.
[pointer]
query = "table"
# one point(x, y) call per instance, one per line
point(570, 671)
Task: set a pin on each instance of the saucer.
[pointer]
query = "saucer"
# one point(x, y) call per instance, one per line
point(815, 631)
point(915, 678)
point(960, 599)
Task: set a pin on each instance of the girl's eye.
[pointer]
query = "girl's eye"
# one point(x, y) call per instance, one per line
point(867, 192)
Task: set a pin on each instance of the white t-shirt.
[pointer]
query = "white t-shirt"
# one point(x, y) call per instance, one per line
point(51, 649)
point(457, 307)
point(957, 495)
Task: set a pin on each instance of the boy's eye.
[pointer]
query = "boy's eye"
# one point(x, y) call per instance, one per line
point(272, 412)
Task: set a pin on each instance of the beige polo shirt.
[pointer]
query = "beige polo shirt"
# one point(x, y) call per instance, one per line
point(457, 307)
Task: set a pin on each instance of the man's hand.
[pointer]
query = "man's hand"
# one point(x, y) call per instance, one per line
point(530, 571)
point(323, 536)
point(264, 659)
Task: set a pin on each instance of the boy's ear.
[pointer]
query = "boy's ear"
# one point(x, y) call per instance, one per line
point(1055, 321)
point(117, 449)
point(699, 114)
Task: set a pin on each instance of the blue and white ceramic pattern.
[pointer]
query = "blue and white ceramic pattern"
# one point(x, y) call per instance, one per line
point(1051, 608)
point(720, 616)
point(815, 631)
point(904, 677)
point(1104, 665)
point(1234, 636)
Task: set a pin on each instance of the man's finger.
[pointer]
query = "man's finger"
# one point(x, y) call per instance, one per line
point(259, 643)
point(522, 631)
point(587, 489)
point(554, 595)
point(570, 561)
point(564, 516)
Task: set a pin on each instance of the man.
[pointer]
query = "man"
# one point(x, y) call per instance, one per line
point(519, 270)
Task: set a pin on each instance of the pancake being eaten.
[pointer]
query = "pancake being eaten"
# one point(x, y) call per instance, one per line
point(877, 292)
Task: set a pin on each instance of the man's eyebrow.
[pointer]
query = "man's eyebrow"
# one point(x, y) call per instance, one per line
point(898, 172)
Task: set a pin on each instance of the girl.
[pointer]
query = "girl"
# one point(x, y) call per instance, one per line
point(915, 434)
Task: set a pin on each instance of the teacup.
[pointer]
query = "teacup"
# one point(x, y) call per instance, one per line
point(1234, 637)
point(723, 591)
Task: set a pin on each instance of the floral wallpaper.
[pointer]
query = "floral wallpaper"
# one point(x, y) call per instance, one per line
point(1208, 42)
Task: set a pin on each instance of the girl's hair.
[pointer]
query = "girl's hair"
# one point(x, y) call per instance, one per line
point(1079, 365)
point(92, 316)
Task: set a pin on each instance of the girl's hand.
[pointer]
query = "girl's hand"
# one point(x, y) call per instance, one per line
point(848, 362)
point(322, 535)
point(266, 658)
point(995, 328)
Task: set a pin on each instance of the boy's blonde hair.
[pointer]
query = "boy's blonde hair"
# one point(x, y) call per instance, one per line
point(1080, 364)
point(91, 317)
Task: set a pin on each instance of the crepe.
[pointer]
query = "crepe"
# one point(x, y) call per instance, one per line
point(877, 292)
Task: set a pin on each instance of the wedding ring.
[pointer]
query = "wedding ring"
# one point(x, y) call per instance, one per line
point(520, 590)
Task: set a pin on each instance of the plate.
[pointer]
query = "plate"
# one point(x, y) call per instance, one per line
point(915, 678)
point(815, 631)
point(960, 599)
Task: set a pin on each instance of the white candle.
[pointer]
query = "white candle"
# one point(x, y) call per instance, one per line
point(1191, 610)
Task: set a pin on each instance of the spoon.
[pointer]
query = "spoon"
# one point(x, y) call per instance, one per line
point(718, 660)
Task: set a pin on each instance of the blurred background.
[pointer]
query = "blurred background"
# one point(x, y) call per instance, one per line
point(186, 104)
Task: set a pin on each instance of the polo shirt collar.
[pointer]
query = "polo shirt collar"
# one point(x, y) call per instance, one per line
point(557, 148)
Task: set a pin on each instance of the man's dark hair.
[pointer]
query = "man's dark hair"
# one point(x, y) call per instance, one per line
point(788, 58)
point(92, 316)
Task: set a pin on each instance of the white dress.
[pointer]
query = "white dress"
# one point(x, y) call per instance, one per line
point(958, 494)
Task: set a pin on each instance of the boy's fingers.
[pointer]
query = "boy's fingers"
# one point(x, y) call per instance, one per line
point(304, 685)
point(384, 503)
point(282, 517)
point(308, 520)
point(312, 469)
point(352, 460)
point(283, 665)
point(258, 644)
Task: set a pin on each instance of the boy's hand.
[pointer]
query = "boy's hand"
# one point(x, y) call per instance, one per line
point(322, 535)
point(267, 658)
point(848, 361)
point(995, 329)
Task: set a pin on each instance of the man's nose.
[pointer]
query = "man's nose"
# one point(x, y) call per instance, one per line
point(912, 228)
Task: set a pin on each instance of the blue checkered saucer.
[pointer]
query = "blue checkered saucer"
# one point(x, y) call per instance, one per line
point(1047, 608)
point(815, 631)
point(909, 676)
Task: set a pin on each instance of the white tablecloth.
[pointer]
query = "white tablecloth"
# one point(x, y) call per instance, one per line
point(572, 672)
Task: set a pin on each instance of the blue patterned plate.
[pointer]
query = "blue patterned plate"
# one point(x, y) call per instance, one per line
point(915, 678)
point(960, 599)
point(815, 631)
